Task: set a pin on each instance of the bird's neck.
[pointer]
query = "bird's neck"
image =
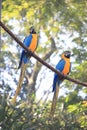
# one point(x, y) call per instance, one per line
point(66, 59)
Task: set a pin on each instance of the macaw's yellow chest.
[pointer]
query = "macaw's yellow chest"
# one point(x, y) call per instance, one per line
point(33, 44)
point(66, 69)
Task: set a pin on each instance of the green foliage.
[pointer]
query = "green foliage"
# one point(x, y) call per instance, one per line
point(81, 71)
point(24, 117)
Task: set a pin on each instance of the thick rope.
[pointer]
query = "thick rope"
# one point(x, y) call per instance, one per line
point(54, 102)
point(39, 59)
point(21, 78)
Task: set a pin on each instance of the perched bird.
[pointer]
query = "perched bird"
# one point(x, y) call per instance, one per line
point(30, 42)
point(64, 67)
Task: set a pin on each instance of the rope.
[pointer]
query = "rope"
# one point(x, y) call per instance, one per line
point(39, 59)
point(54, 101)
point(23, 68)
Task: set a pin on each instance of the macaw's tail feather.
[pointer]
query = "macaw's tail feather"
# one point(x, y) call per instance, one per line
point(23, 68)
point(22, 58)
point(54, 101)
point(54, 86)
point(20, 63)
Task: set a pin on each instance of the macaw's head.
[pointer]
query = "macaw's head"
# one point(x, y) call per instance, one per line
point(66, 54)
point(32, 30)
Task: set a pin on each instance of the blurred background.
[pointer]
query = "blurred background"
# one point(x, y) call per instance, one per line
point(61, 25)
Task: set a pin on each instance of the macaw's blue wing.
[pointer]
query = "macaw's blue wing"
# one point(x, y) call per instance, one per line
point(57, 78)
point(27, 40)
point(24, 56)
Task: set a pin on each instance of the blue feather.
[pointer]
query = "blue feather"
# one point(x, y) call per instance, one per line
point(24, 56)
point(57, 78)
point(27, 40)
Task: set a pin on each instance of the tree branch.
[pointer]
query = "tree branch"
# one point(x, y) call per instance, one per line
point(39, 59)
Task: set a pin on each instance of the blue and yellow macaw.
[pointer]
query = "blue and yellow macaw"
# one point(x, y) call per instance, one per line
point(64, 67)
point(30, 42)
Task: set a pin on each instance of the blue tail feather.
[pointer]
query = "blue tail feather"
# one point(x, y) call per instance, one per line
point(24, 58)
point(56, 80)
